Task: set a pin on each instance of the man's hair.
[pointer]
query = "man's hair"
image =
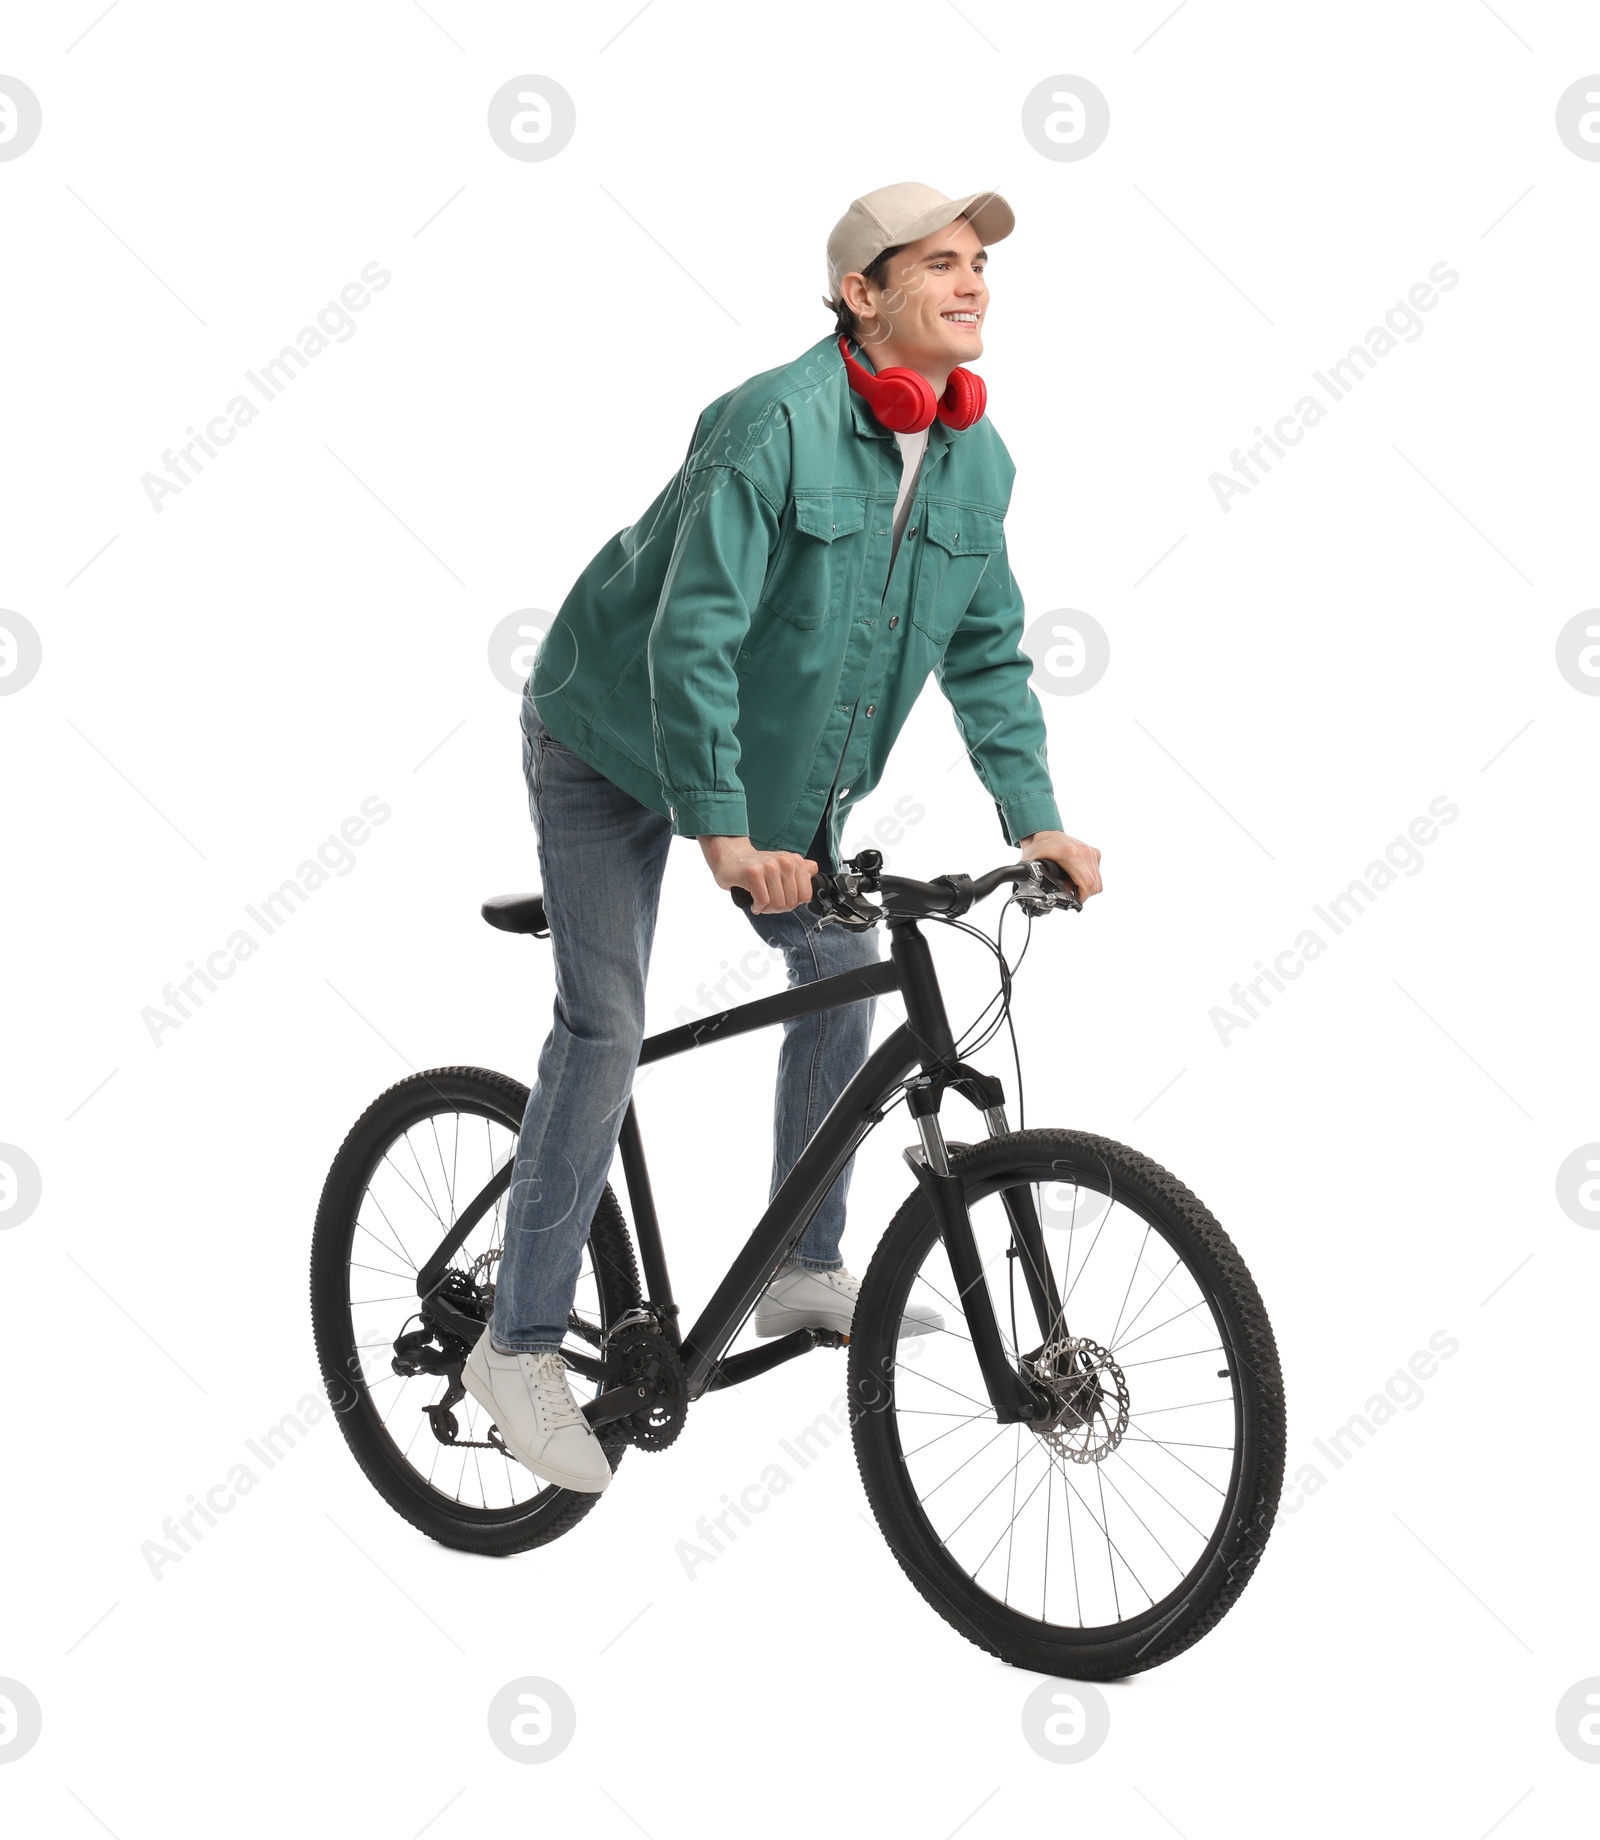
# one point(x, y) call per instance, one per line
point(877, 272)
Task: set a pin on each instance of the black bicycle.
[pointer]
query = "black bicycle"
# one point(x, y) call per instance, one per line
point(1079, 1471)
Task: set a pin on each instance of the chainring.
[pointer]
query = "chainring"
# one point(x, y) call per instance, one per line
point(639, 1355)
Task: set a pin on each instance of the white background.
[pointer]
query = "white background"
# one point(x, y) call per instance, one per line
point(306, 625)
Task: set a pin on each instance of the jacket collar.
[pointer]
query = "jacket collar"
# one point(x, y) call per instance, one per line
point(940, 434)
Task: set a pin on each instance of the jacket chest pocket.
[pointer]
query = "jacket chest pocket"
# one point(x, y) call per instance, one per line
point(960, 545)
point(817, 566)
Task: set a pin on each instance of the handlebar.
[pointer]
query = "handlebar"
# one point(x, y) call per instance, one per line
point(1040, 885)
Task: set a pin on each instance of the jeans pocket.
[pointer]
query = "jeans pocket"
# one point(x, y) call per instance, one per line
point(532, 731)
point(535, 732)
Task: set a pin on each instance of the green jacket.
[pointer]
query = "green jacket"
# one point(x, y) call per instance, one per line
point(744, 648)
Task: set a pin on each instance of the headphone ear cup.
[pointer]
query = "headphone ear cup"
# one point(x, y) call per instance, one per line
point(964, 399)
point(903, 399)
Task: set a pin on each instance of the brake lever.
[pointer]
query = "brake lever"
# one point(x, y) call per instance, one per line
point(1049, 886)
point(842, 902)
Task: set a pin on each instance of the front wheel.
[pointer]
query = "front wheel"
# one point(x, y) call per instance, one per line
point(1112, 1535)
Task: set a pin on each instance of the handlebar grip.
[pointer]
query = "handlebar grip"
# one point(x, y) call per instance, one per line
point(742, 897)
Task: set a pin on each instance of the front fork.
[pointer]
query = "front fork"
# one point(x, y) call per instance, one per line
point(1014, 1398)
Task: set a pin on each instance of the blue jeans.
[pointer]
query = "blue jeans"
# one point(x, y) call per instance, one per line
point(601, 858)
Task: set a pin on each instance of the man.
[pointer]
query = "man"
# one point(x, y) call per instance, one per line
point(734, 667)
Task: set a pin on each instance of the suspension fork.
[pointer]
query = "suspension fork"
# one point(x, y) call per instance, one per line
point(985, 1092)
point(1014, 1399)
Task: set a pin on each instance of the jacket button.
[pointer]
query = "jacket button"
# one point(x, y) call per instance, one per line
point(894, 619)
point(871, 707)
point(912, 531)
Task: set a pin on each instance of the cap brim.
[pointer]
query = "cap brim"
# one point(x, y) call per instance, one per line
point(987, 212)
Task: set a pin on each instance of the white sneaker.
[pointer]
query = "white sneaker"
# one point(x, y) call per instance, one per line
point(528, 1397)
point(801, 1299)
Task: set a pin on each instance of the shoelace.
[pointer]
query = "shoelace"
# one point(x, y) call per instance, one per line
point(548, 1372)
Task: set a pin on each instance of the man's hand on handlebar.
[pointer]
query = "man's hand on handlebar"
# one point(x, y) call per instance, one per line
point(777, 881)
point(1079, 861)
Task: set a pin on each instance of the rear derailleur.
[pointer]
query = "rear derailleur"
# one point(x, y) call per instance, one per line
point(415, 1353)
point(437, 1348)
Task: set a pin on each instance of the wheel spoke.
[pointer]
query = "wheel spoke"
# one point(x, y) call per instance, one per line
point(917, 1373)
point(1156, 1444)
point(1134, 1470)
point(1198, 1304)
point(401, 1249)
point(1138, 1260)
point(961, 1466)
point(1160, 1287)
point(971, 1419)
point(356, 1265)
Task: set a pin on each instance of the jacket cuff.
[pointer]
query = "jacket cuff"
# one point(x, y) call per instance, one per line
point(703, 814)
point(1020, 818)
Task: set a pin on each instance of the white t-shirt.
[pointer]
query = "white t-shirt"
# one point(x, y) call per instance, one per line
point(912, 448)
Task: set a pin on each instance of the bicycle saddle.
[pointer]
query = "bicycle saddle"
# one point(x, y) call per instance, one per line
point(517, 913)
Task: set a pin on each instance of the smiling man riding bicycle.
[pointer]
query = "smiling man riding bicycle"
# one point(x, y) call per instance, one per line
point(735, 667)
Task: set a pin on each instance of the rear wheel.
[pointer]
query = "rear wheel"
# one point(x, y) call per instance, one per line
point(411, 1166)
point(1109, 1538)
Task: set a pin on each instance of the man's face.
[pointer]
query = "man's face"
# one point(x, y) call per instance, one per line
point(930, 314)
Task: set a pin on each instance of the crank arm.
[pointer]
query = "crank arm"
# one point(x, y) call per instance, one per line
point(618, 1402)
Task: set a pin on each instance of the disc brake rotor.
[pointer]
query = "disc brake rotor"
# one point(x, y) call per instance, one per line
point(1090, 1393)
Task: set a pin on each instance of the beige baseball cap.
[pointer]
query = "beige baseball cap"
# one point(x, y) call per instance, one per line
point(896, 214)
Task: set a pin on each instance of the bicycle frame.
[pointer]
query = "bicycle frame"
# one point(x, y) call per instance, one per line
point(924, 1042)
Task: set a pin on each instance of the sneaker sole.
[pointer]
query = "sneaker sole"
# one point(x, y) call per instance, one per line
point(909, 1326)
point(786, 1322)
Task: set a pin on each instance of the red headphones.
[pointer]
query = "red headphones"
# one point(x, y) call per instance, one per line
point(903, 399)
